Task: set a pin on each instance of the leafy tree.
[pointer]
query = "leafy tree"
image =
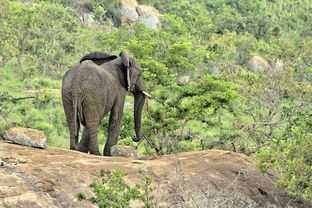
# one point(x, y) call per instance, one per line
point(203, 99)
point(293, 159)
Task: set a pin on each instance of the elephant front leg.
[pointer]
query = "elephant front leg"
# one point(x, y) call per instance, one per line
point(92, 123)
point(114, 125)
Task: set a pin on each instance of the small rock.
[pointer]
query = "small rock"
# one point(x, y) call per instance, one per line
point(278, 65)
point(183, 80)
point(215, 69)
point(123, 151)
point(258, 64)
point(26, 137)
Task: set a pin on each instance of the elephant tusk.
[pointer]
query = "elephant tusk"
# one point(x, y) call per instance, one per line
point(128, 78)
point(146, 94)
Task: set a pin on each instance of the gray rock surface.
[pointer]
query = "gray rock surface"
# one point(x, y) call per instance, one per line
point(183, 80)
point(131, 12)
point(148, 15)
point(26, 136)
point(278, 65)
point(52, 177)
point(258, 64)
point(123, 151)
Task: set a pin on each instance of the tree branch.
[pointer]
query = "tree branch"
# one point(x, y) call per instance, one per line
point(22, 98)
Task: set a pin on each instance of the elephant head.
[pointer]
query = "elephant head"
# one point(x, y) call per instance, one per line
point(135, 85)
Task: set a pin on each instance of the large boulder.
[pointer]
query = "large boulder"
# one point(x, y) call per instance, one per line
point(125, 15)
point(148, 15)
point(52, 177)
point(26, 137)
point(258, 64)
point(130, 3)
point(131, 12)
point(88, 19)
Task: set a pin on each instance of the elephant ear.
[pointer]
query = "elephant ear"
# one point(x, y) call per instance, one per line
point(125, 59)
point(98, 57)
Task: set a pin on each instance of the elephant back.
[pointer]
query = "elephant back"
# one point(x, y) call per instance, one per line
point(91, 76)
point(98, 57)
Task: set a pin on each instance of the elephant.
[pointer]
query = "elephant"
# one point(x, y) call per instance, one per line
point(96, 86)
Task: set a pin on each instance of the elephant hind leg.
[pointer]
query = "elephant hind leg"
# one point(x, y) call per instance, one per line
point(93, 144)
point(92, 117)
point(70, 118)
point(84, 142)
point(74, 136)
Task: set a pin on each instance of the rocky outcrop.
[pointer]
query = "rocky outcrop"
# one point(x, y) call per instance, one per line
point(88, 19)
point(131, 12)
point(52, 177)
point(258, 64)
point(123, 151)
point(26, 136)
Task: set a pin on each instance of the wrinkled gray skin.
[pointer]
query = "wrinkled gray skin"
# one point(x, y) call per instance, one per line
point(95, 87)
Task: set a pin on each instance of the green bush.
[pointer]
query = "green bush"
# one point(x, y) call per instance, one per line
point(112, 191)
point(292, 158)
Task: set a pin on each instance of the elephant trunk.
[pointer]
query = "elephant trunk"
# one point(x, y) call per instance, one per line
point(139, 100)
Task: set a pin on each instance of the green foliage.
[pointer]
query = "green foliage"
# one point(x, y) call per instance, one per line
point(99, 13)
point(41, 34)
point(113, 191)
point(293, 159)
point(110, 6)
point(233, 47)
point(205, 97)
point(233, 109)
point(161, 125)
point(179, 56)
point(174, 107)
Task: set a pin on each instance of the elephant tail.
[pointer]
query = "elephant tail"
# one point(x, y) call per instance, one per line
point(75, 106)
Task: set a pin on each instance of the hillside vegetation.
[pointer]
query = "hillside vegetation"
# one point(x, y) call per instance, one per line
point(224, 105)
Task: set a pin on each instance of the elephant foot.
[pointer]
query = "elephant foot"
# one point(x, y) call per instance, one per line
point(73, 147)
point(136, 139)
point(107, 154)
point(82, 149)
point(95, 153)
